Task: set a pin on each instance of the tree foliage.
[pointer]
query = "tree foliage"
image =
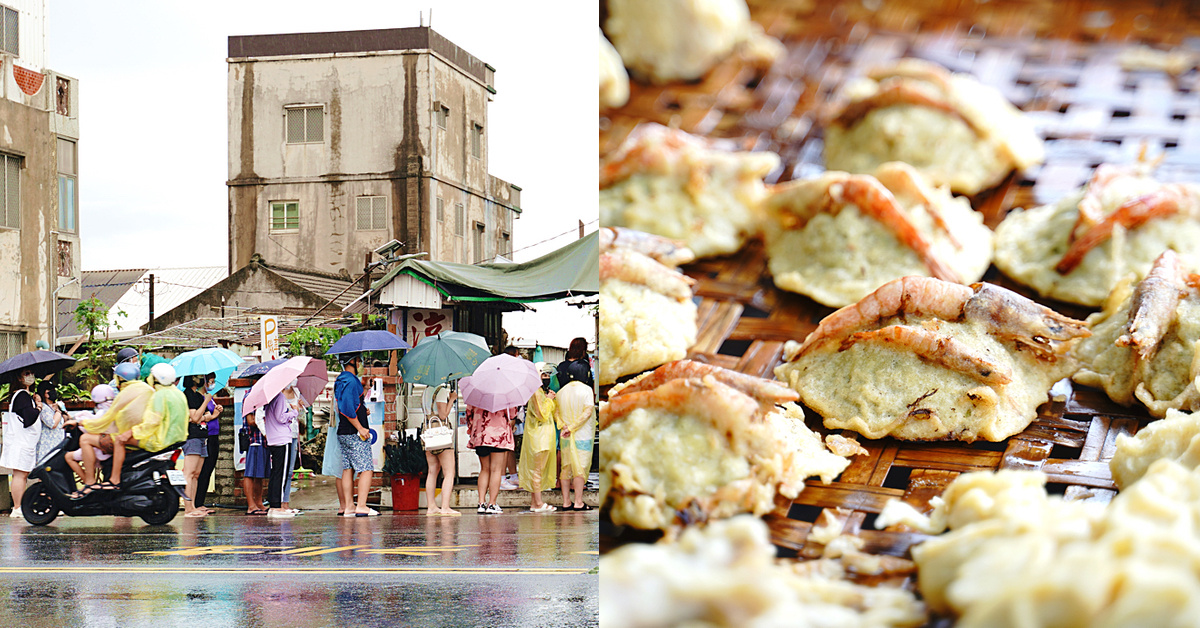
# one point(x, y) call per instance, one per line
point(91, 315)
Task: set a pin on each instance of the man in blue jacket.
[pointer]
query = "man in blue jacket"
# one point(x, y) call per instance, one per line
point(354, 439)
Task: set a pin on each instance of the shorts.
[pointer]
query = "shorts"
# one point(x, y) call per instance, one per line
point(258, 463)
point(196, 447)
point(484, 451)
point(356, 453)
point(106, 444)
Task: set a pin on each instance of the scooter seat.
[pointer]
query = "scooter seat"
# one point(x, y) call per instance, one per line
point(134, 456)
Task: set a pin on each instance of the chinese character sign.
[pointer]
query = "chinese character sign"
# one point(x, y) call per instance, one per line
point(427, 323)
point(269, 332)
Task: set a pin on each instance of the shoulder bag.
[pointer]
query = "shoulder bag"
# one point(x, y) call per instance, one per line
point(439, 437)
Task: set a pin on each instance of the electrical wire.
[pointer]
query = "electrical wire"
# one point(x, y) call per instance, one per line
point(569, 231)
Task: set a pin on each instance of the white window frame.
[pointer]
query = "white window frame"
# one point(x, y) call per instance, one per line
point(287, 111)
point(271, 217)
point(375, 202)
point(11, 343)
point(70, 213)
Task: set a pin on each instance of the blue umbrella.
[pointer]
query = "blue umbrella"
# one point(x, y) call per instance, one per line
point(370, 340)
point(221, 362)
point(42, 363)
point(254, 370)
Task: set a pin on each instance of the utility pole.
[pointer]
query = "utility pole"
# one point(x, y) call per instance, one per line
point(151, 322)
point(580, 229)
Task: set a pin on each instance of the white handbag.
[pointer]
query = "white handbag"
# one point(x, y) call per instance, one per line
point(435, 438)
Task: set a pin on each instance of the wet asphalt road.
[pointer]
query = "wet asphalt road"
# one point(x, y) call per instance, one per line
point(314, 570)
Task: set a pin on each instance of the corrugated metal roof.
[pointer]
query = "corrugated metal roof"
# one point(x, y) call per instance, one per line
point(107, 285)
point(128, 291)
point(242, 329)
point(325, 285)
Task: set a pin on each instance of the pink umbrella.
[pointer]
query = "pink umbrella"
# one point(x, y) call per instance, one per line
point(310, 376)
point(500, 382)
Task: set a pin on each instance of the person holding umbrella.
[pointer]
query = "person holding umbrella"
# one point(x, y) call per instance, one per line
point(443, 459)
point(21, 430)
point(353, 437)
point(277, 428)
point(195, 449)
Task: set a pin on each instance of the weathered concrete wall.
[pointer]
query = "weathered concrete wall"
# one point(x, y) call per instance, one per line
point(381, 137)
point(28, 257)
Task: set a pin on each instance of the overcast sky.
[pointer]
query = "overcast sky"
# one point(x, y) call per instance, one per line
point(153, 113)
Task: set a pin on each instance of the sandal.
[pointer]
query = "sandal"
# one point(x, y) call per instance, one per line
point(583, 508)
point(257, 512)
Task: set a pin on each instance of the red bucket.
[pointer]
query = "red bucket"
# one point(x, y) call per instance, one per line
point(406, 491)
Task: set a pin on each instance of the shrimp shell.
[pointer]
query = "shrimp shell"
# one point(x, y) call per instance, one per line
point(1152, 309)
point(665, 250)
point(767, 392)
point(633, 267)
point(938, 349)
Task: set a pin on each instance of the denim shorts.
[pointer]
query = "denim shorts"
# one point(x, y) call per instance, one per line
point(196, 447)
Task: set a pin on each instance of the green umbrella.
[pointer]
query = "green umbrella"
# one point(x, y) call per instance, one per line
point(148, 362)
point(446, 356)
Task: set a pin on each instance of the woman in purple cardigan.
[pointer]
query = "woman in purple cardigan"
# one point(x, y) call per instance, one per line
point(277, 428)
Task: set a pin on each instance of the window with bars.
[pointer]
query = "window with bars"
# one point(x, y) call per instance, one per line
point(371, 213)
point(10, 191)
point(285, 216)
point(11, 344)
point(477, 142)
point(10, 31)
point(305, 125)
point(64, 258)
point(460, 218)
point(443, 115)
point(68, 208)
point(62, 96)
point(441, 210)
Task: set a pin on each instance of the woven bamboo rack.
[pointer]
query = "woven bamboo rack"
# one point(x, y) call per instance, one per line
point(1058, 62)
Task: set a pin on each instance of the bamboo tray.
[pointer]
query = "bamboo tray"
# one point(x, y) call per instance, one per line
point(1059, 63)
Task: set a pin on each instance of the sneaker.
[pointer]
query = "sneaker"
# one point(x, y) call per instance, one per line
point(483, 509)
point(494, 509)
point(507, 485)
point(296, 511)
point(16, 513)
point(277, 513)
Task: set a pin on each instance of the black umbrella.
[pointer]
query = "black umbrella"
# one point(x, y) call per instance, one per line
point(42, 363)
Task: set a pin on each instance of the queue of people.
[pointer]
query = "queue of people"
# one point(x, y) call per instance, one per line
point(151, 413)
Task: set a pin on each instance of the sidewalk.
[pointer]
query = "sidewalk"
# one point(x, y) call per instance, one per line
point(319, 493)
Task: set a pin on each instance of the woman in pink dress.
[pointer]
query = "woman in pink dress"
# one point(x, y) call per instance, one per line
point(491, 436)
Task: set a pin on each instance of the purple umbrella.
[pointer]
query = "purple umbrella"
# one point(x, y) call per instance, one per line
point(254, 370)
point(310, 376)
point(500, 382)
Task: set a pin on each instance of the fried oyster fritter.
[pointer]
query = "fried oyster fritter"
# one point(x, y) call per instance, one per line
point(925, 359)
point(955, 130)
point(681, 40)
point(1078, 249)
point(647, 316)
point(726, 574)
point(673, 184)
point(1144, 342)
point(691, 442)
point(840, 236)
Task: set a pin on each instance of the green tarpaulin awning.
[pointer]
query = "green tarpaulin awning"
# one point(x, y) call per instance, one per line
point(573, 270)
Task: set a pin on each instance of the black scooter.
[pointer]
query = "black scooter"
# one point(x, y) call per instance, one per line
point(147, 489)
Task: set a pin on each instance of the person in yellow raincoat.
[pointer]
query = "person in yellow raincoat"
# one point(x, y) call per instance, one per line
point(126, 411)
point(164, 423)
point(577, 421)
point(536, 467)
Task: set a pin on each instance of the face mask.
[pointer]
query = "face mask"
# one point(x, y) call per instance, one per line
point(546, 383)
point(29, 379)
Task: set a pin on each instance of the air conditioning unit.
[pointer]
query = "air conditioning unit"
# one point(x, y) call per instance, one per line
point(467, 463)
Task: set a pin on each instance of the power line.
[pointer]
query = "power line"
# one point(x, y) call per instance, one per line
point(568, 231)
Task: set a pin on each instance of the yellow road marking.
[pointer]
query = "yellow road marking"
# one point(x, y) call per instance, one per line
point(305, 570)
point(418, 551)
point(332, 550)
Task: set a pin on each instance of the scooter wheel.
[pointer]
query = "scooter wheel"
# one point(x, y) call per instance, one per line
point(37, 506)
point(165, 505)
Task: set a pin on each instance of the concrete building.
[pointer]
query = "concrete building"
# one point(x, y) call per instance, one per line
point(340, 142)
point(39, 211)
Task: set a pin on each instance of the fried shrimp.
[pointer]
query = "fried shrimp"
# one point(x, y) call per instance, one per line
point(766, 392)
point(891, 94)
point(869, 195)
point(633, 267)
point(1005, 313)
point(1166, 201)
point(664, 250)
point(902, 178)
point(939, 349)
point(1153, 307)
